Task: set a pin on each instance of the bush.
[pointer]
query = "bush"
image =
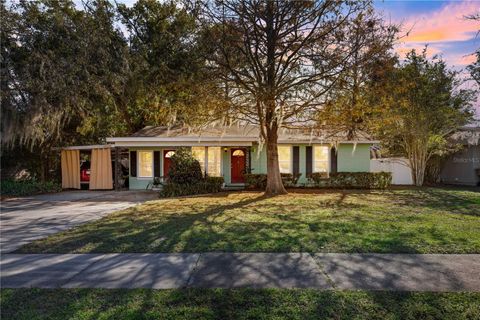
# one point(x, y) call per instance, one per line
point(259, 180)
point(184, 169)
point(208, 185)
point(28, 187)
point(256, 181)
point(362, 180)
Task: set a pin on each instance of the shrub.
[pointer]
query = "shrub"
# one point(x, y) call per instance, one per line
point(318, 179)
point(364, 180)
point(208, 185)
point(259, 180)
point(28, 187)
point(256, 180)
point(290, 179)
point(184, 169)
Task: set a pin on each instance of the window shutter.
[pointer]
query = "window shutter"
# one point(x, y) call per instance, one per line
point(309, 160)
point(133, 163)
point(296, 160)
point(333, 160)
point(156, 163)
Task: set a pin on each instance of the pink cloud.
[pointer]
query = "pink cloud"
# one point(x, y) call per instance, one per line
point(446, 24)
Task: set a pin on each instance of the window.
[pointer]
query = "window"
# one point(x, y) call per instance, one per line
point(320, 159)
point(169, 154)
point(285, 159)
point(145, 164)
point(214, 155)
point(238, 153)
point(199, 154)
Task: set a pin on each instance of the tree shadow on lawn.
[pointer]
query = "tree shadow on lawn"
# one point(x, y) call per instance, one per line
point(282, 230)
point(235, 304)
point(437, 199)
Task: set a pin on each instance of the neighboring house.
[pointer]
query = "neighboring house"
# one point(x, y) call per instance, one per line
point(232, 151)
point(463, 167)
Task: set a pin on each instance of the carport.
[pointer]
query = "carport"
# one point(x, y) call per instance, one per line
point(101, 176)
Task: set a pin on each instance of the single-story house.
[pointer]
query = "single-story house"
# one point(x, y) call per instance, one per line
point(463, 167)
point(232, 151)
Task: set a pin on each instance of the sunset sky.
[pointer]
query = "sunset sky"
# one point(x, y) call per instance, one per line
point(440, 24)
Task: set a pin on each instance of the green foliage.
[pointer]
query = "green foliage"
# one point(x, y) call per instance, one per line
point(185, 177)
point(360, 180)
point(256, 180)
point(419, 106)
point(259, 180)
point(184, 168)
point(28, 187)
point(208, 185)
point(351, 180)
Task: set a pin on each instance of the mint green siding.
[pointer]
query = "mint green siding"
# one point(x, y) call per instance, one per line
point(259, 160)
point(353, 158)
point(136, 183)
point(350, 158)
point(226, 172)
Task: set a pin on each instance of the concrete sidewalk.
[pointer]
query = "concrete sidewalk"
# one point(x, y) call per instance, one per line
point(409, 272)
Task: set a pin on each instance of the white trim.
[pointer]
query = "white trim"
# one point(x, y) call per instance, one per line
point(90, 147)
point(138, 166)
point(181, 139)
point(216, 141)
point(140, 144)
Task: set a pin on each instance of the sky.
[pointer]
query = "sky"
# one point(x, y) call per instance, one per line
point(439, 24)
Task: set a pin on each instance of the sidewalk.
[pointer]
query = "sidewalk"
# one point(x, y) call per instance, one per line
point(409, 272)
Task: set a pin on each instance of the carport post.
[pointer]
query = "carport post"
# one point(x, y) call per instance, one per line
point(117, 168)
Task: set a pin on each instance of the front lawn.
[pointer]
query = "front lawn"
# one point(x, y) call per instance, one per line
point(411, 220)
point(33, 304)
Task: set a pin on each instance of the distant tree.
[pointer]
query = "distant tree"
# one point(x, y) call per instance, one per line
point(349, 108)
point(279, 59)
point(421, 105)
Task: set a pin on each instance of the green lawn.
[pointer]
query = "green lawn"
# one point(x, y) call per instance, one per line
point(32, 304)
point(411, 220)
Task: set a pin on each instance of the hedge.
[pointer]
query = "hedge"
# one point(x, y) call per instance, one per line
point(207, 185)
point(28, 187)
point(355, 180)
point(259, 181)
point(361, 180)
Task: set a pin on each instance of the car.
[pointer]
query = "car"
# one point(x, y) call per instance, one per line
point(85, 171)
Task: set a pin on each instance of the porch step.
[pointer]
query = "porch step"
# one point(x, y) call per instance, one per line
point(234, 187)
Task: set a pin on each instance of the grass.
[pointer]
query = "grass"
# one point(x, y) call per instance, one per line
point(410, 220)
point(32, 304)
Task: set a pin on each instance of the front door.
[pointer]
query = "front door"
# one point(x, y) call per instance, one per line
point(167, 155)
point(238, 165)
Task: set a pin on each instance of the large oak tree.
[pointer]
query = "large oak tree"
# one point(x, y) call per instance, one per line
point(279, 59)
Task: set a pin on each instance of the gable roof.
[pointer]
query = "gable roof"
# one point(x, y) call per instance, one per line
point(244, 134)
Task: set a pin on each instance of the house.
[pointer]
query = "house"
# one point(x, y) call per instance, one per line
point(231, 151)
point(463, 167)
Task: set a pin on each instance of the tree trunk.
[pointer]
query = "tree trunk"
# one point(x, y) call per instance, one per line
point(274, 178)
point(418, 162)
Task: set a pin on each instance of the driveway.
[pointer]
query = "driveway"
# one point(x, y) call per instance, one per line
point(25, 219)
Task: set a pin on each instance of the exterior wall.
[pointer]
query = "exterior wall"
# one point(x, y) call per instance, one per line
point(348, 161)
point(353, 158)
point(136, 183)
point(401, 173)
point(460, 167)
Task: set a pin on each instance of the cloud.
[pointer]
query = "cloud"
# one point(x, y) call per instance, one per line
point(446, 24)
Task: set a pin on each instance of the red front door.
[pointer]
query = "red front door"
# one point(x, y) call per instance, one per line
point(238, 165)
point(167, 154)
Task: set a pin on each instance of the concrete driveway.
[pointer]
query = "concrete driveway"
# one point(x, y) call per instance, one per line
point(25, 219)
